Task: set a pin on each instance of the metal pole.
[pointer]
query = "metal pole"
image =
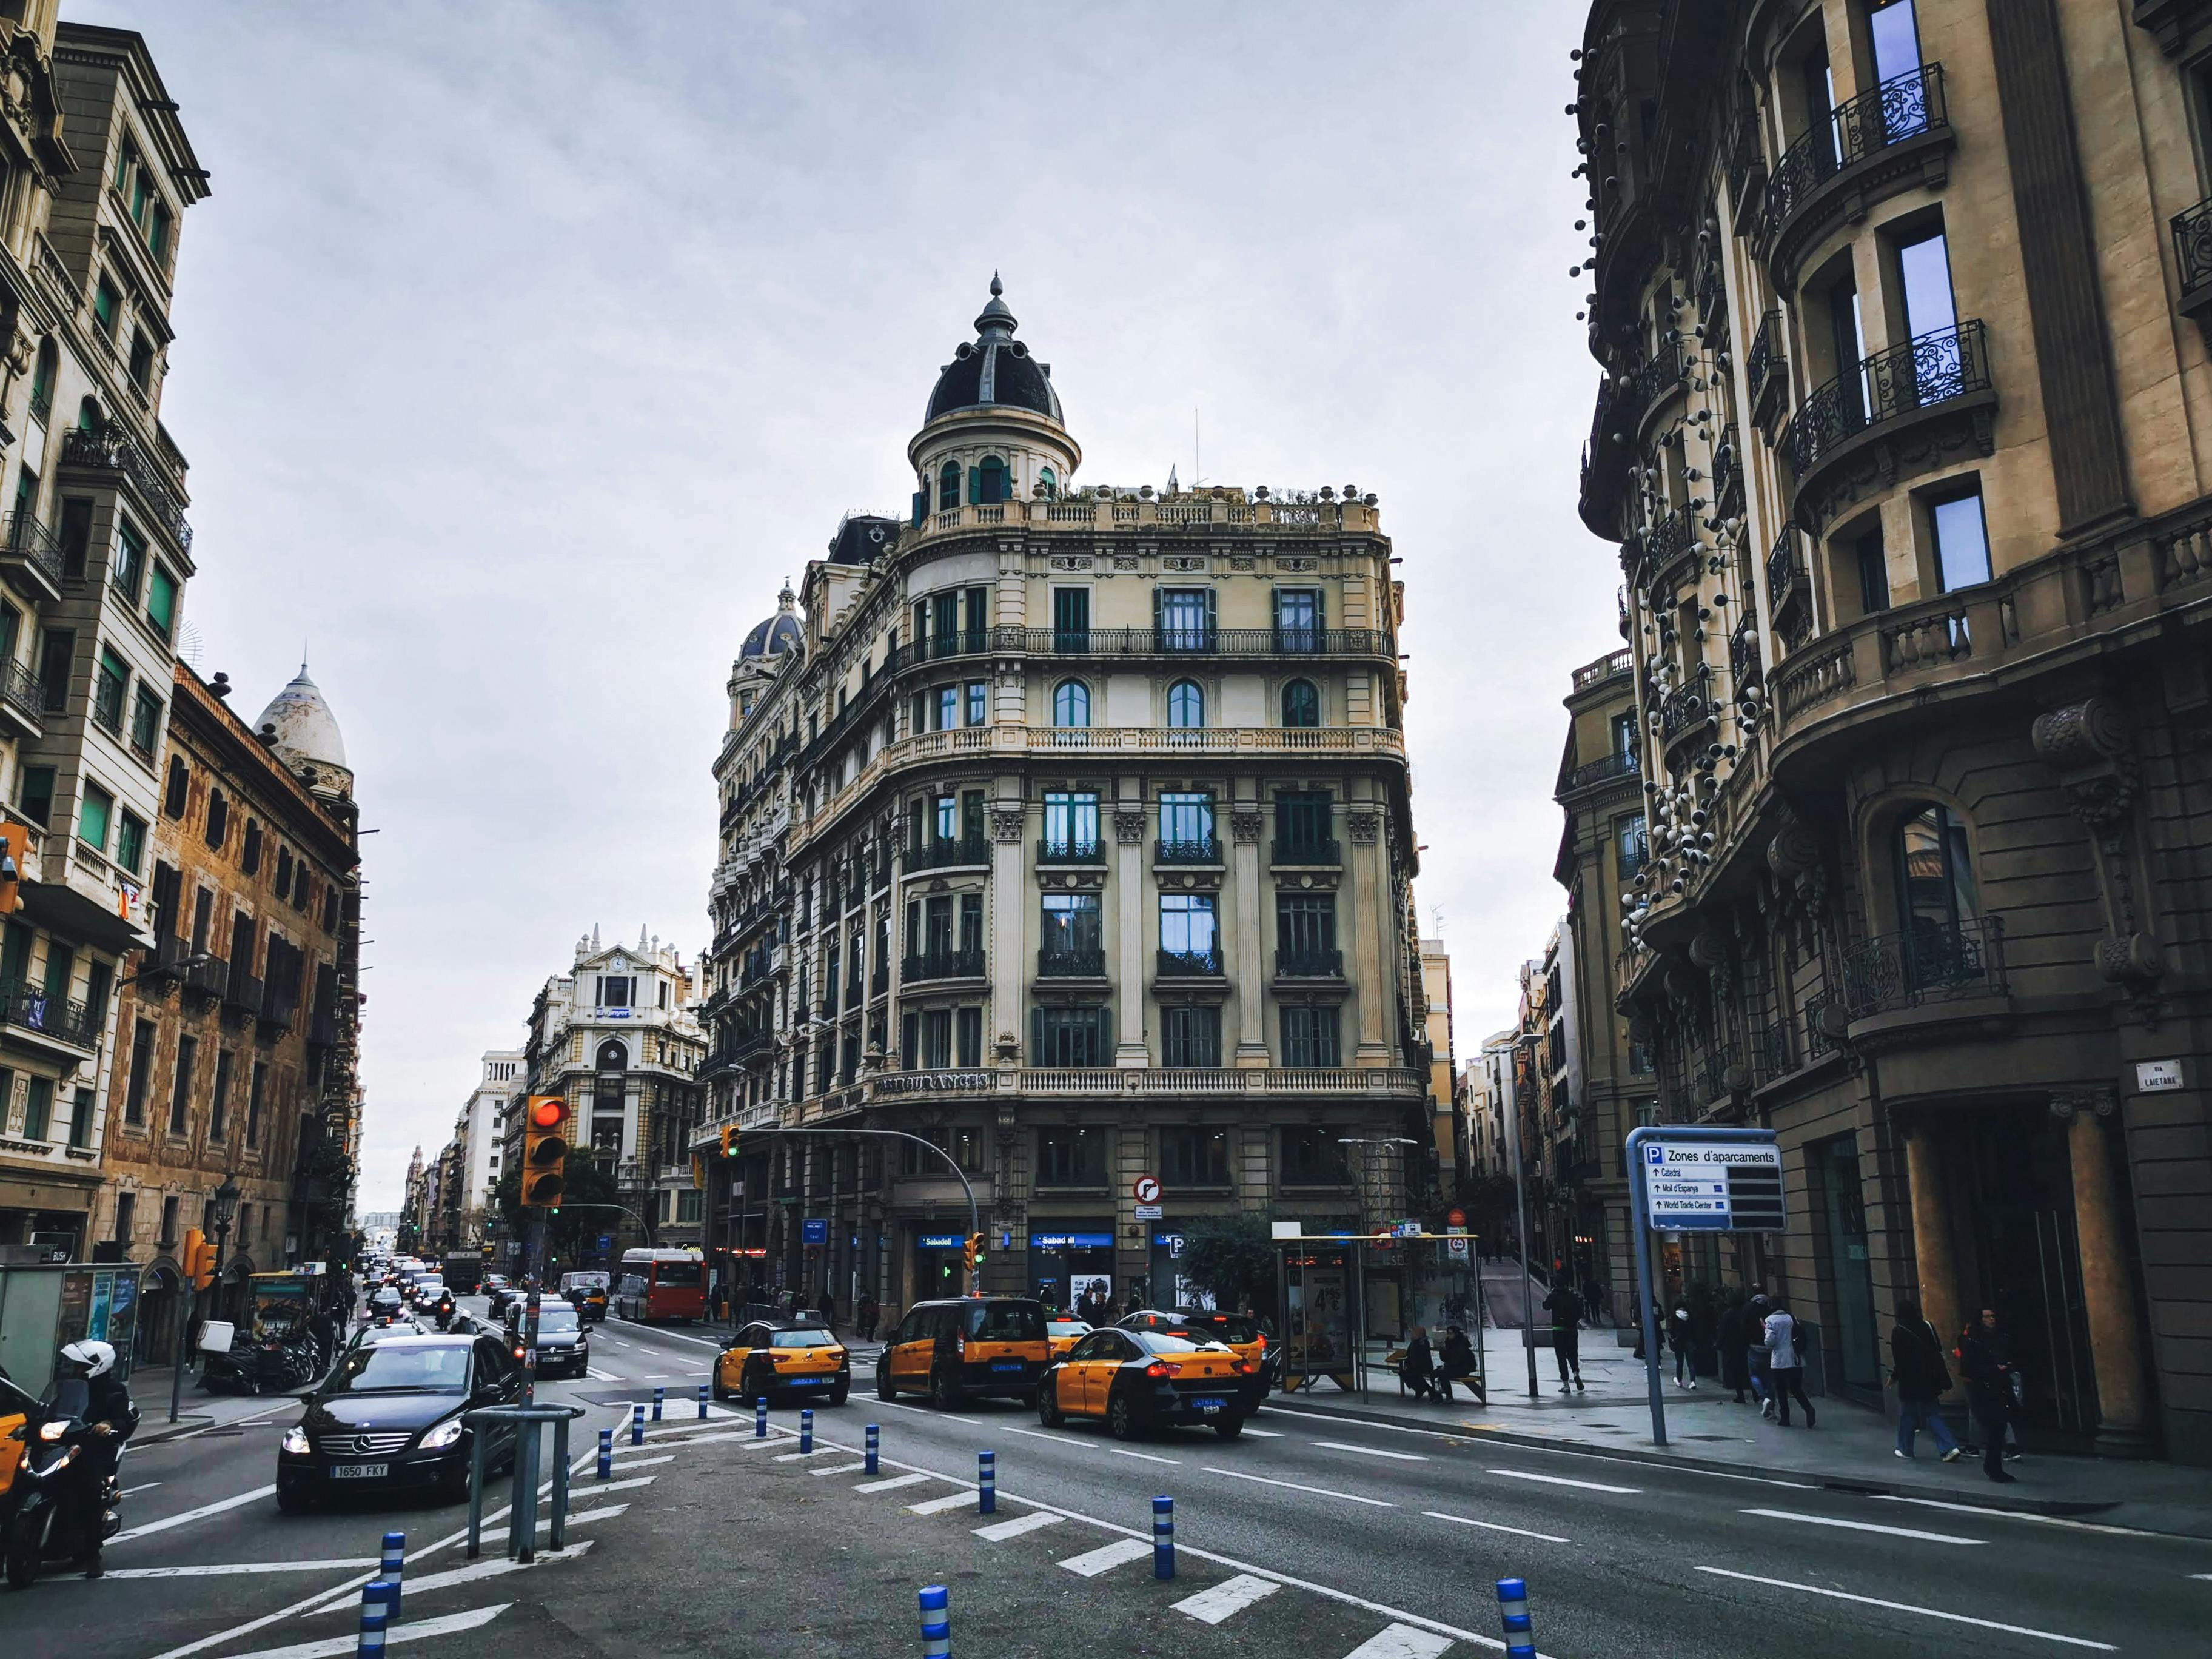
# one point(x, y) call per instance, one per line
point(1359, 1318)
point(1163, 1537)
point(522, 1520)
point(987, 1483)
point(529, 1349)
point(555, 1526)
point(1639, 1222)
point(476, 1490)
point(1521, 1223)
point(188, 1300)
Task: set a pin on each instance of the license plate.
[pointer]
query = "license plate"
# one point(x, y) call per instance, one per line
point(1005, 1364)
point(360, 1471)
point(805, 1382)
point(1209, 1406)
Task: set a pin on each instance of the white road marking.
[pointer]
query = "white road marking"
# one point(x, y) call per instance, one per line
point(939, 1505)
point(795, 1457)
point(677, 1336)
point(2021, 1515)
point(620, 1464)
point(1123, 1451)
point(1562, 1480)
point(1003, 1530)
point(1865, 1526)
point(606, 1513)
point(1401, 1641)
point(1230, 1596)
point(149, 1487)
point(229, 1567)
point(1265, 1434)
point(476, 1569)
point(1034, 1434)
point(337, 1646)
point(191, 1516)
point(1903, 1606)
point(1318, 1491)
point(840, 1468)
point(1492, 1526)
point(1369, 1451)
point(894, 1483)
point(602, 1376)
point(1107, 1556)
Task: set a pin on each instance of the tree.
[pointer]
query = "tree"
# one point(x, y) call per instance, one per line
point(1231, 1258)
point(587, 1183)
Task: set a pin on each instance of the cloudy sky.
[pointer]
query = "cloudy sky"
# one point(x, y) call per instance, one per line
point(524, 349)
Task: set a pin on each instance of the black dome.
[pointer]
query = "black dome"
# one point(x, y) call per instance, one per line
point(779, 634)
point(996, 372)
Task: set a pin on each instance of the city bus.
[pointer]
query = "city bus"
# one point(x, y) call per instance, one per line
point(657, 1285)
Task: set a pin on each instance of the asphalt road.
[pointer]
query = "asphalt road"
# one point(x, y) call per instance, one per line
point(1365, 1523)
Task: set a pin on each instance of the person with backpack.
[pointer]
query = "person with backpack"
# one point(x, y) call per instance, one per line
point(1785, 1370)
point(1916, 1367)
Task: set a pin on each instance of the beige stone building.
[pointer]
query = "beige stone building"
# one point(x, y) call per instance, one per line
point(1069, 828)
point(1902, 437)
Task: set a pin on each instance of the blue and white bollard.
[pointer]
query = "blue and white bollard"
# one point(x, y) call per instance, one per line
point(1520, 1629)
point(702, 1402)
point(658, 1394)
point(391, 1568)
point(375, 1614)
point(637, 1424)
point(760, 1419)
point(606, 1453)
point(806, 1430)
point(874, 1431)
point(987, 1483)
point(1164, 1538)
point(936, 1623)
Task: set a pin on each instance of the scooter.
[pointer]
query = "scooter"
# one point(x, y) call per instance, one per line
point(39, 1537)
point(285, 1365)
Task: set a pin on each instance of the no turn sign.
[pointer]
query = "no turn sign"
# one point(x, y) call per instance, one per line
point(1147, 1190)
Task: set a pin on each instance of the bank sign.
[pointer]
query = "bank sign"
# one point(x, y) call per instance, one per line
point(1713, 1186)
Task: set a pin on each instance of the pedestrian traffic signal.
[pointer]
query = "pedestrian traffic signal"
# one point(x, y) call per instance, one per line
point(544, 1151)
point(197, 1262)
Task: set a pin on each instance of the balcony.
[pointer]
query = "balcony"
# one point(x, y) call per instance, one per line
point(1686, 715)
point(112, 449)
point(1308, 963)
point(1090, 851)
point(22, 698)
point(1605, 668)
point(1788, 591)
point(1204, 851)
point(1190, 964)
point(241, 991)
point(1932, 961)
point(944, 964)
point(1746, 172)
point(1913, 407)
point(59, 1021)
point(1894, 138)
point(2192, 257)
point(1672, 538)
point(1767, 371)
point(1605, 769)
point(1632, 855)
point(1645, 386)
point(30, 552)
point(948, 854)
point(1318, 854)
point(1072, 962)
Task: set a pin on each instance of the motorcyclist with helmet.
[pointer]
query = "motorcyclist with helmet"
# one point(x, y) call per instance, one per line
point(88, 1384)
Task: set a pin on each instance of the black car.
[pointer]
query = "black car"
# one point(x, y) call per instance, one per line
point(564, 1347)
point(388, 1419)
point(385, 1305)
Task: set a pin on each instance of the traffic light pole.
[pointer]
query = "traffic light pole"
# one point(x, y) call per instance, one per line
point(187, 1304)
point(975, 1220)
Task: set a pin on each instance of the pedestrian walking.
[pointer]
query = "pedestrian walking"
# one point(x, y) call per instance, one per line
point(827, 1307)
point(1754, 1352)
point(1986, 1353)
point(1457, 1360)
point(1417, 1370)
point(1916, 1367)
point(1785, 1370)
point(1736, 1364)
point(1682, 1340)
point(863, 1318)
point(1565, 1308)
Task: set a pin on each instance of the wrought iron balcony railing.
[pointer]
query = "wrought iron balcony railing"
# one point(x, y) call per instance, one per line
point(1190, 964)
point(26, 538)
point(1785, 567)
point(1303, 963)
point(1899, 108)
point(1929, 962)
point(22, 688)
point(1764, 361)
point(112, 449)
point(939, 855)
point(34, 1009)
point(2192, 247)
point(1296, 851)
point(944, 964)
point(1203, 851)
point(1070, 852)
point(1072, 962)
point(1601, 770)
point(1934, 368)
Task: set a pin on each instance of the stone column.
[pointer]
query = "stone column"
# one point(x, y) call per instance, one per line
point(1129, 932)
point(1366, 918)
point(1934, 1263)
point(1009, 903)
point(2115, 1342)
point(1250, 972)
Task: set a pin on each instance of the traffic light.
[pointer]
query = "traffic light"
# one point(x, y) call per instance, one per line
point(199, 1260)
point(729, 1141)
point(544, 1151)
point(971, 1254)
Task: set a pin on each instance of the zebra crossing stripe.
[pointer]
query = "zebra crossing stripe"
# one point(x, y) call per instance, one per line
point(1229, 1597)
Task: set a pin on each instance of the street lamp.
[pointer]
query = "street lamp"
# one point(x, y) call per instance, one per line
point(178, 967)
point(226, 1210)
point(1528, 1040)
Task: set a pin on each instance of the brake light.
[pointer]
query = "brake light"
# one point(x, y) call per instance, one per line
point(1156, 1369)
point(518, 1354)
point(1242, 1367)
point(1262, 1340)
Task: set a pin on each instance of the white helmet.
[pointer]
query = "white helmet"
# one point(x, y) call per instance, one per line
point(96, 1358)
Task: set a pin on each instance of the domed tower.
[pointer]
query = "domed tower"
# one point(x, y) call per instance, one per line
point(299, 727)
point(763, 654)
point(994, 431)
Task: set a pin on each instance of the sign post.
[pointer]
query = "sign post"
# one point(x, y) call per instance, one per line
point(1684, 1178)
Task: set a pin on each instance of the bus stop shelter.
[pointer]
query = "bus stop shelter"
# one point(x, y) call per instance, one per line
point(1348, 1303)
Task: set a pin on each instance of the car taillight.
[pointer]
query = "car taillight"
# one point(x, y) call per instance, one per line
point(1242, 1367)
point(518, 1352)
point(1156, 1369)
point(1262, 1340)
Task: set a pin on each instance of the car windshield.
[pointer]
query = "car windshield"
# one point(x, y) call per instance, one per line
point(1004, 1322)
point(1067, 1327)
point(429, 1286)
point(394, 1368)
point(1224, 1328)
point(815, 1337)
point(1168, 1342)
point(386, 1297)
point(556, 1316)
point(678, 1275)
point(376, 1333)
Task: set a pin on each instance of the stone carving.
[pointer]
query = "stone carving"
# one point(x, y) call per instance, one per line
point(1245, 828)
point(1071, 562)
point(1364, 826)
point(2090, 747)
point(1008, 824)
point(1129, 828)
point(2068, 1103)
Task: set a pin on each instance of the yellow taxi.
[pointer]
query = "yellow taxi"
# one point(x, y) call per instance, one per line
point(1137, 1380)
point(1234, 1331)
point(17, 1408)
point(1064, 1334)
point(966, 1348)
point(783, 1357)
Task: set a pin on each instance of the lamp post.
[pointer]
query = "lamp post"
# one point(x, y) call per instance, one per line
point(226, 1210)
point(1527, 1039)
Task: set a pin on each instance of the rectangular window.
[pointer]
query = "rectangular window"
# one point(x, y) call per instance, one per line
point(1305, 925)
point(38, 1109)
point(129, 842)
point(978, 712)
point(1069, 930)
point(1624, 735)
point(142, 361)
point(1874, 573)
point(181, 1088)
point(106, 306)
point(1924, 271)
point(1313, 1157)
point(35, 794)
point(109, 681)
point(1309, 1037)
point(145, 724)
point(126, 1217)
point(945, 815)
point(971, 1037)
point(945, 715)
point(1071, 824)
point(1069, 1037)
point(614, 990)
point(1190, 1037)
point(1193, 1157)
point(161, 601)
point(937, 1039)
point(141, 1061)
point(80, 1125)
point(1071, 619)
point(971, 816)
point(1187, 931)
point(1297, 619)
point(170, 1236)
point(1187, 821)
point(76, 535)
point(1632, 842)
point(92, 817)
point(971, 922)
point(158, 224)
point(253, 1093)
point(1186, 619)
point(1962, 542)
point(57, 652)
point(1302, 819)
point(99, 981)
point(219, 1100)
point(1071, 1158)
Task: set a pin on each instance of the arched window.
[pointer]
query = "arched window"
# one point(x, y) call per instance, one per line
point(88, 414)
point(991, 480)
point(613, 1057)
point(1186, 703)
point(948, 485)
point(42, 382)
point(1938, 904)
point(1051, 484)
point(1301, 704)
point(1071, 704)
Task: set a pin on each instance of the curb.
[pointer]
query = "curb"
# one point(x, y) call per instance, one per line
point(2061, 1508)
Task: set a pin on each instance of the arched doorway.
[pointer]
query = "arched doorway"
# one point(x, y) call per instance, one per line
point(159, 1309)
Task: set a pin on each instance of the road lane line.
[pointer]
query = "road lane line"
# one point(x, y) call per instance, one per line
point(337, 1646)
point(1123, 1451)
point(1493, 1526)
point(1229, 1597)
point(1400, 1642)
point(1037, 1434)
point(894, 1483)
point(476, 1569)
point(229, 1567)
point(1865, 1526)
point(605, 1512)
point(1265, 1434)
point(1003, 1530)
point(1107, 1556)
point(1318, 1491)
point(1562, 1480)
point(1901, 1606)
point(2022, 1515)
point(939, 1505)
point(149, 1487)
point(191, 1516)
point(1369, 1451)
point(793, 1457)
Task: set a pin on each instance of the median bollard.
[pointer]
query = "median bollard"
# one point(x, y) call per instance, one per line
point(760, 1419)
point(1520, 1629)
point(658, 1394)
point(936, 1623)
point(375, 1614)
point(606, 1453)
point(987, 1483)
point(637, 1425)
point(873, 1432)
point(1164, 1538)
point(806, 1430)
point(393, 1564)
point(702, 1402)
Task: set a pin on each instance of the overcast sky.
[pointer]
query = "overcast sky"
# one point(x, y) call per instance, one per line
point(523, 349)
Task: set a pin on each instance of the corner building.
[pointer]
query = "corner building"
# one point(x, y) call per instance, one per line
point(1069, 830)
point(1900, 306)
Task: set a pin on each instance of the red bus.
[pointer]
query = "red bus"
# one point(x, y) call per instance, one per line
point(657, 1285)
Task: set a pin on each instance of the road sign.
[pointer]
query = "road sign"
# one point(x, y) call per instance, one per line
point(1712, 1186)
point(1455, 1218)
point(1148, 1212)
point(2157, 1076)
point(814, 1229)
point(607, 1240)
point(1455, 1245)
point(1147, 1190)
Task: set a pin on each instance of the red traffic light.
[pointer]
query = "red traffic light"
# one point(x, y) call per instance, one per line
point(548, 1115)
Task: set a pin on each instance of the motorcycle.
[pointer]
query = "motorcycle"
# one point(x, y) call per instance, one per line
point(40, 1534)
point(445, 1314)
point(284, 1363)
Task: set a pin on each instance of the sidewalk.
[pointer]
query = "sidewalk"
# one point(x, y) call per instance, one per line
point(1852, 1448)
point(195, 1409)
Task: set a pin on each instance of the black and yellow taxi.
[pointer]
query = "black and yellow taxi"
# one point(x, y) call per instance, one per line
point(1236, 1332)
point(967, 1348)
point(772, 1357)
point(1064, 1334)
point(1137, 1380)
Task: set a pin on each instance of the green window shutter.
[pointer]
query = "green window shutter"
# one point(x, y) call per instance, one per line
point(92, 817)
point(162, 601)
point(1210, 596)
point(1158, 609)
point(975, 485)
point(1036, 1037)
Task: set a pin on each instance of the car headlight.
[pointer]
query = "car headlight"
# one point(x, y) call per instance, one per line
point(443, 1436)
point(295, 1441)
